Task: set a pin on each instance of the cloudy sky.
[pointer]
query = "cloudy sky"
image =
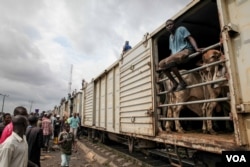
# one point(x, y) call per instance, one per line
point(41, 39)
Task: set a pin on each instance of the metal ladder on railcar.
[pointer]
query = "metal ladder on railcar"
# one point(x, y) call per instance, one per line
point(175, 157)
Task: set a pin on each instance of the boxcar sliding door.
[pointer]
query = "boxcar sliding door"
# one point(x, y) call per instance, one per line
point(136, 92)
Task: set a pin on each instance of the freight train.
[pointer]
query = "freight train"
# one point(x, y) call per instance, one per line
point(129, 103)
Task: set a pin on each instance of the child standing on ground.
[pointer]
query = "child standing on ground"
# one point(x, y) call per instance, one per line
point(67, 141)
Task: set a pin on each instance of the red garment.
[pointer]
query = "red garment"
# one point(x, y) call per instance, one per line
point(46, 126)
point(6, 132)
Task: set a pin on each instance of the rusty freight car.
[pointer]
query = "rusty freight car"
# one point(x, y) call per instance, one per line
point(129, 101)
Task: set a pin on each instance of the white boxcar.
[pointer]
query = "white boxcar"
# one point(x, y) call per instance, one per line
point(124, 99)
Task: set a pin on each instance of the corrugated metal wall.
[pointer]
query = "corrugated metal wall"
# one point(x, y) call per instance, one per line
point(89, 103)
point(136, 92)
point(107, 100)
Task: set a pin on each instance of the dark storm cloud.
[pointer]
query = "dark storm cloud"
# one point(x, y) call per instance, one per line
point(39, 40)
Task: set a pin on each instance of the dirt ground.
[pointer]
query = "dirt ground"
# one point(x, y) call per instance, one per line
point(78, 159)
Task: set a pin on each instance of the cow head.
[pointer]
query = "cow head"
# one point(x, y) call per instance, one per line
point(214, 72)
point(211, 56)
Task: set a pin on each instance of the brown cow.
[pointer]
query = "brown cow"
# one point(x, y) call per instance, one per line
point(186, 95)
point(197, 93)
point(212, 73)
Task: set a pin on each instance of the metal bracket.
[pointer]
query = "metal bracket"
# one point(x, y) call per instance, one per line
point(132, 67)
point(232, 29)
point(133, 119)
point(240, 107)
point(150, 112)
point(145, 39)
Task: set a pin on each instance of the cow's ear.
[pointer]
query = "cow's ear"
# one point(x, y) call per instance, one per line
point(222, 57)
point(199, 63)
point(219, 53)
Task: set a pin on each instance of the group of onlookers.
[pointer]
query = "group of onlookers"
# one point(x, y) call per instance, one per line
point(23, 136)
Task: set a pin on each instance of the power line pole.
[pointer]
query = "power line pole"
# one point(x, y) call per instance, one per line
point(3, 100)
point(31, 102)
point(70, 78)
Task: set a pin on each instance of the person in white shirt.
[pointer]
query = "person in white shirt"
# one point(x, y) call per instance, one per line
point(14, 150)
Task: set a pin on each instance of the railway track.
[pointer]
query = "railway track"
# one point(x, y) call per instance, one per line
point(117, 155)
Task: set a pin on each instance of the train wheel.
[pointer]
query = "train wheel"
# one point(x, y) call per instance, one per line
point(89, 134)
point(130, 144)
point(102, 137)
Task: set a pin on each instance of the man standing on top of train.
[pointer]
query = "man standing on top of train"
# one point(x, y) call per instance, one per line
point(181, 44)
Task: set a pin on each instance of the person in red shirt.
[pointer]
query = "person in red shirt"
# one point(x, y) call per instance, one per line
point(6, 121)
point(47, 131)
point(20, 110)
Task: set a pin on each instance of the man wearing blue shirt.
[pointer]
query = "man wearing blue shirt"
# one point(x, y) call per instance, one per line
point(74, 123)
point(181, 44)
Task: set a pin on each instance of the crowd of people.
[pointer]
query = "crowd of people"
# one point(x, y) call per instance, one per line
point(24, 136)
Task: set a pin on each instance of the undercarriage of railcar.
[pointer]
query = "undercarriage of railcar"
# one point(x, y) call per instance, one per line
point(177, 155)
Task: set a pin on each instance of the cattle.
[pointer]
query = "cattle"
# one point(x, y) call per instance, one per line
point(209, 91)
point(186, 95)
point(212, 73)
